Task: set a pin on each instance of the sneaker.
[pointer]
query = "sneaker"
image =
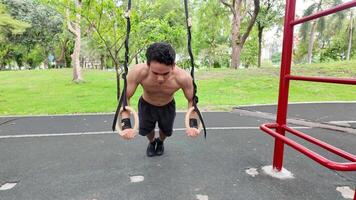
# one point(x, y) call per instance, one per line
point(151, 149)
point(159, 147)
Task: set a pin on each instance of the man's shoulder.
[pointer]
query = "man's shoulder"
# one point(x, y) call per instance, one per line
point(183, 76)
point(182, 72)
point(140, 69)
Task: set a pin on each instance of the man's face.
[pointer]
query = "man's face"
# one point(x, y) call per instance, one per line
point(161, 72)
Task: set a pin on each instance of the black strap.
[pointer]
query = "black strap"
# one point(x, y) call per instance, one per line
point(195, 97)
point(123, 99)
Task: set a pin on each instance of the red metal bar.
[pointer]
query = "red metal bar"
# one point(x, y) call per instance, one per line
point(323, 79)
point(284, 83)
point(322, 144)
point(350, 166)
point(325, 12)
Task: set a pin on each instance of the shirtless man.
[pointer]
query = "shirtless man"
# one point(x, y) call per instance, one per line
point(160, 78)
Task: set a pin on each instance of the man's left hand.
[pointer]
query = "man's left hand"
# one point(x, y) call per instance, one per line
point(192, 132)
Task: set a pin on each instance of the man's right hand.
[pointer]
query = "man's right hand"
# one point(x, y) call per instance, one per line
point(128, 134)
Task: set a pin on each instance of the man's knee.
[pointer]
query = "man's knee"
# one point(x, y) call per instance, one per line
point(167, 133)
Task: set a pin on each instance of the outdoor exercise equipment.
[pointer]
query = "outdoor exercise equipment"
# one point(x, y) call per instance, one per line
point(122, 105)
point(195, 97)
point(278, 129)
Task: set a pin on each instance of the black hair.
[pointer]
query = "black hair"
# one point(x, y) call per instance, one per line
point(161, 52)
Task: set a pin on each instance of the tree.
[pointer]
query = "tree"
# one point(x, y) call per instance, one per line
point(211, 35)
point(151, 21)
point(350, 30)
point(46, 25)
point(106, 28)
point(250, 53)
point(72, 12)
point(75, 28)
point(270, 14)
point(239, 10)
point(310, 29)
point(338, 42)
point(8, 26)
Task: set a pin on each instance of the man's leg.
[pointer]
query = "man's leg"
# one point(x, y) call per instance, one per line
point(151, 136)
point(151, 149)
point(159, 142)
point(162, 136)
point(147, 125)
point(165, 125)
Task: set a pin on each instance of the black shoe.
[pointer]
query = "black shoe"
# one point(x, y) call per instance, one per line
point(159, 147)
point(151, 149)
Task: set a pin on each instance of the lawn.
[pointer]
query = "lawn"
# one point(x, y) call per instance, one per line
point(52, 91)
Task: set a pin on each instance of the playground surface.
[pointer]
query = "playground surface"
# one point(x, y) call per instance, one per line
point(79, 157)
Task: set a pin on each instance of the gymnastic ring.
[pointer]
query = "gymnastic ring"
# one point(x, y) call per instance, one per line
point(187, 117)
point(118, 122)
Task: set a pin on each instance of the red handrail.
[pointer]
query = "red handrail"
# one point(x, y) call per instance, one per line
point(285, 77)
point(322, 79)
point(350, 166)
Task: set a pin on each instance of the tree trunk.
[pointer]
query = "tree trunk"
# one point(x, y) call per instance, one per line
point(117, 81)
point(235, 33)
point(260, 31)
point(238, 39)
point(77, 72)
point(45, 63)
point(312, 33)
point(350, 38)
point(102, 62)
point(60, 62)
point(311, 42)
point(77, 75)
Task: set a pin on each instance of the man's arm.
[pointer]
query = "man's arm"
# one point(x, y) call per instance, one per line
point(188, 90)
point(133, 77)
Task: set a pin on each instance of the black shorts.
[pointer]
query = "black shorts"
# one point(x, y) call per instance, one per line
point(150, 114)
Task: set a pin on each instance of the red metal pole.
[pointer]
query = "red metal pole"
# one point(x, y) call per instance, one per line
point(355, 194)
point(350, 81)
point(284, 83)
point(322, 144)
point(325, 12)
point(344, 166)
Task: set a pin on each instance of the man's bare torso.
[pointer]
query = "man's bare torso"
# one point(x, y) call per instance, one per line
point(159, 94)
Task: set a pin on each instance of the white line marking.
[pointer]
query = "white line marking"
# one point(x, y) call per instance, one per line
point(180, 111)
point(136, 179)
point(7, 186)
point(202, 197)
point(342, 121)
point(33, 135)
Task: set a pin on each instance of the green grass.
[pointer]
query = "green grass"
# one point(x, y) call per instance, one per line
point(52, 91)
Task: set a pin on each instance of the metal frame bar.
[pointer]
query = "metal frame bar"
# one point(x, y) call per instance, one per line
point(324, 12)
point(322, 79)
point(350, 166)
point(280, 126)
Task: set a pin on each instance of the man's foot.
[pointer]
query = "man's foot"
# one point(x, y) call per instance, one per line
point(159, 147)
point(151, 149)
